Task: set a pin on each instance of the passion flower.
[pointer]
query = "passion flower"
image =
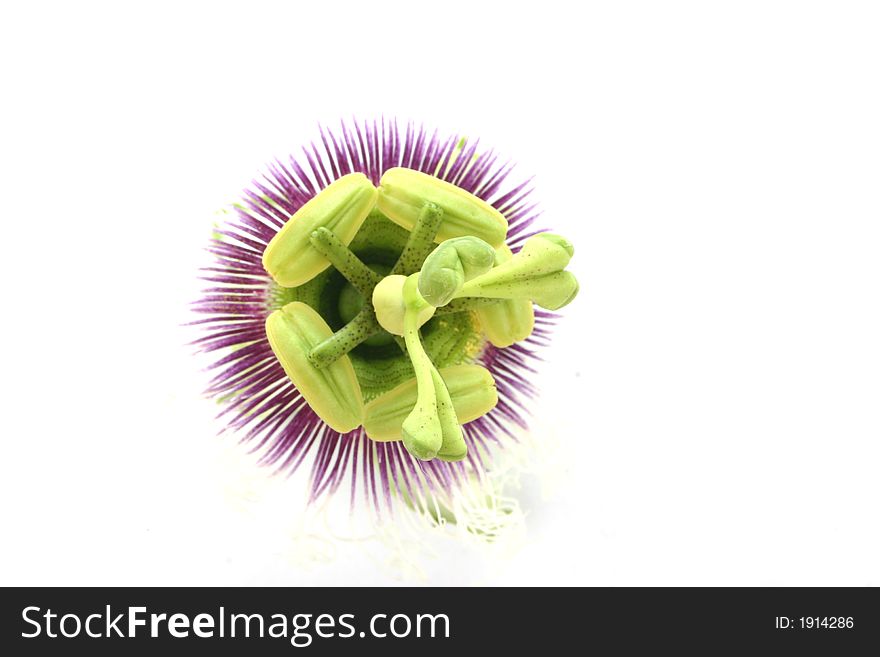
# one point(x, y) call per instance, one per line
point(373, 306)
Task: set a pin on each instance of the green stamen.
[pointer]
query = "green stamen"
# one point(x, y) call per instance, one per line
point(342, 207)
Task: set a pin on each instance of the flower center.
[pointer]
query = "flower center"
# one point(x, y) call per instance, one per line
point(379, 363)
point(467, 273)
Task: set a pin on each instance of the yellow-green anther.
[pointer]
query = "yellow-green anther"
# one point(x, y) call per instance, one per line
point(341, 207)
point(420, 241)
point(388, 302)
point(362, 327)
point(333, 392)
point(507, 320)
point(347, 263)
point(471, 388)
point(535, 273)
point(450, 265)
point(404, 192)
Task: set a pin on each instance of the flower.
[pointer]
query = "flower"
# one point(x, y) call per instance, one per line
point(260, 400)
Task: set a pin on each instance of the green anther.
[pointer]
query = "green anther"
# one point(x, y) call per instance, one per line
point(431, 429)
point(333, 392)
point(358, 330)
point(535, 273)
point(342, 206)
point(404, 192)
point(471, 388)
point(347, 263)
point(420, 242)
point(453, 263)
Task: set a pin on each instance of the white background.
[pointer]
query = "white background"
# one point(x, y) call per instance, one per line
point(713, 391)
